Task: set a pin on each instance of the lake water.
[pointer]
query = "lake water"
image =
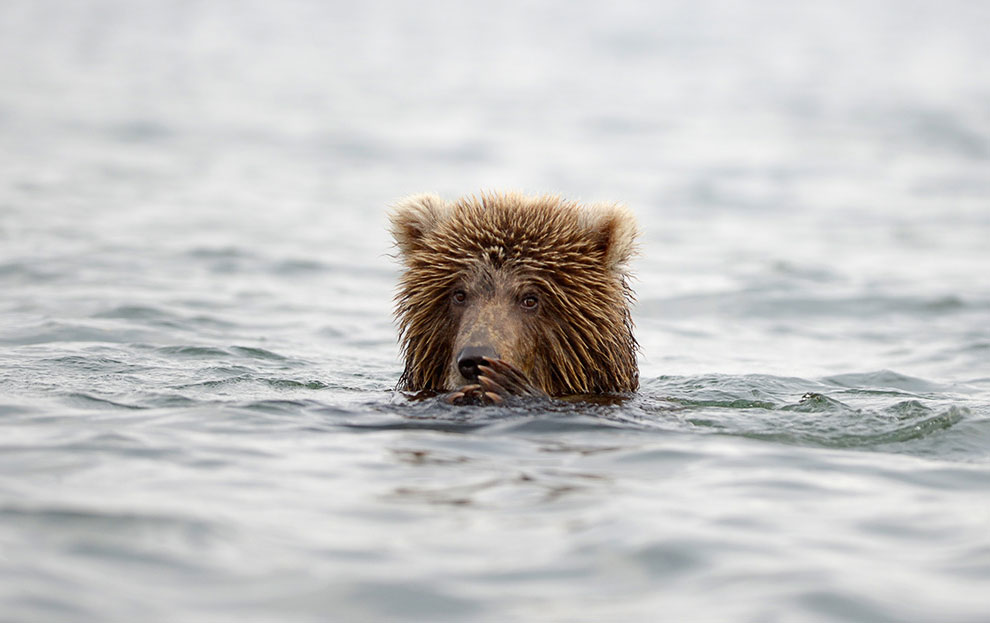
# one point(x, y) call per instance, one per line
point(197, 358)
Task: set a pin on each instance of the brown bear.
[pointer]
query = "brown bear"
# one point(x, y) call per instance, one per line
point(506, 294)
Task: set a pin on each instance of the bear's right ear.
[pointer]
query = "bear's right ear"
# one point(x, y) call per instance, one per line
point(412, 218)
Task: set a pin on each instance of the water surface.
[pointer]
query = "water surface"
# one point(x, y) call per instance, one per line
point(197, 358)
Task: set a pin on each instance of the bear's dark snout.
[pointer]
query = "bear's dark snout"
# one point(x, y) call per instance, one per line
point(470, 358)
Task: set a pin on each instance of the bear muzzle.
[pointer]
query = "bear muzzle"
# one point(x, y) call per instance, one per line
point(470, 358)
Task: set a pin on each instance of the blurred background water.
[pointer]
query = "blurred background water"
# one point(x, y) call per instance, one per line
point(197, 358)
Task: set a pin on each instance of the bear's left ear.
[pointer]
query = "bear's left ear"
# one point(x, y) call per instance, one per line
point(413, 217)
point(614, 227)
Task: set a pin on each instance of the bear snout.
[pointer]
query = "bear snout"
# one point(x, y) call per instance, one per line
point(470, 358)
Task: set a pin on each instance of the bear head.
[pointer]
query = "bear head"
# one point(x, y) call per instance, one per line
point(539, 282)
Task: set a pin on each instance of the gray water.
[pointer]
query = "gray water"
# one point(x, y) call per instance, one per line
point(197, 358)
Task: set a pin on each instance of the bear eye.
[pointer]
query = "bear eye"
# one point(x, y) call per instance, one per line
point(529, 302)
point(459, 297)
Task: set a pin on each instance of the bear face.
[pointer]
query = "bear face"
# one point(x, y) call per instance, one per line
point(516, 294)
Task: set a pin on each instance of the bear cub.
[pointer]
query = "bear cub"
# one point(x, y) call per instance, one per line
point(511, 295)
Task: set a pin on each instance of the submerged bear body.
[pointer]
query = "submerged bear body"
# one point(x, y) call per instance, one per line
point(506, 294)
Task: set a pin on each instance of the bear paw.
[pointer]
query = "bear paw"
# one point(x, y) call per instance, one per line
point(497, 381)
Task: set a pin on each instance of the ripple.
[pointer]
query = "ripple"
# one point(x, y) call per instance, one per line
point(111, 521)
point(290, 407)
point(293, 384)
point(412, 601)
point(257, 353)
point(726, 405)
point(160, 317)
point(908, 409)
point(813, 402)
point(55, 331)
point(28, 273)
point(90, 401)
point(132, 312)
point(884, 379)
point(95, 363)
point(252, 378)
point(218, 352)
point(9, 409)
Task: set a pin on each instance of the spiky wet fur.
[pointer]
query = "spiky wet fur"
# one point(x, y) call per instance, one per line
point(575, 256)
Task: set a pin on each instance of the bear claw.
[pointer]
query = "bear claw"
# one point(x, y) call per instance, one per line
point(508, 378)
point(498, 381)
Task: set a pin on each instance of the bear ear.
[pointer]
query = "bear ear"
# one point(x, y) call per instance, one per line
point(413, 217)
point(614, 228)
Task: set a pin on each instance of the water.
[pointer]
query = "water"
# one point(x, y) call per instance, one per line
point(197, 358)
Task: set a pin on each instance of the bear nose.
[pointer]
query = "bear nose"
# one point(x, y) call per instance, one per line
point(470, 358)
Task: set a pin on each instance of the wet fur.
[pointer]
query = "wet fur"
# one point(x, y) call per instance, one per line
point(581, 340)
